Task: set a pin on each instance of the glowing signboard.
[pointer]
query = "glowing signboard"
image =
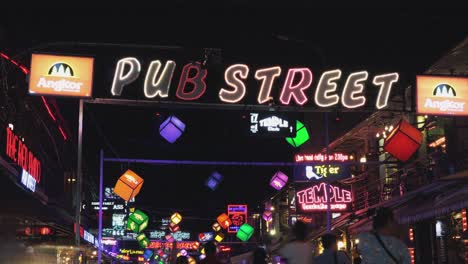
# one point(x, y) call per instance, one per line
point(442, 95)
point(28, 181)
point(271, 124)
point(320, 157)
point(238, 216)
point(313, 198)
point(321, 172)
point(204, 237)
point(61, 75)
point(178, 236)
point(286, 86)
point(187, 245)
point(19, 152)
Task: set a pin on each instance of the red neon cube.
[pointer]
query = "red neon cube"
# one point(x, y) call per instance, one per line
point(173, 227)
point(224, 221)
point(403, 141)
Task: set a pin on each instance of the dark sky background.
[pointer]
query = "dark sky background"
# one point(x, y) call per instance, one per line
point(375, 40)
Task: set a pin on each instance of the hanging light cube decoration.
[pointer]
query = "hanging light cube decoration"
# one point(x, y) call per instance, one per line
point(143, 240)
point(128, 185)
point(279, 180)
point(176, 218)
point(216, 227)
point(183, 252)
point(169, 238)
point(137, 221)
point(171, 129)
point(267, 216)
point(148, 254)
point(191, 260)
point(245, 232)
point(195, 245)
point(403, 141)
point(224, 221)
point(219, 237)
point(173, 227)
point(213, 181)
point(302, 135)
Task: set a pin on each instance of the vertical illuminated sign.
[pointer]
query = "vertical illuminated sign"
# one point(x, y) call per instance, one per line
point(238, 216)
point(19, 152)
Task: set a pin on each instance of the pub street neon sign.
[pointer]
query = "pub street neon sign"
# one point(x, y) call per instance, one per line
point(294, 90)
point(314, 198)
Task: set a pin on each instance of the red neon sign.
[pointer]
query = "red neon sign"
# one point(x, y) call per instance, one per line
point(320, 157)
point(21, 155)
point(187, 245)
point(238, 215)
point(315, 198)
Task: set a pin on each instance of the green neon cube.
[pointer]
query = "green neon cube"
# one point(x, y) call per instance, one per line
point(245, 232)
point(137, 221)
point(302, 135)
point(143, 240)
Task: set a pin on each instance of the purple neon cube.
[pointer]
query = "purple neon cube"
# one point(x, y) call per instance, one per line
point(279, 180)
point(171, 129)
point(214, 180)
point(267, 216)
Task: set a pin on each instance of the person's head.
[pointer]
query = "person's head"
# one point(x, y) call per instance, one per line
point(259, 256)
point(383, 219)
point(182, 260)
point(329, 242)
point(210, 248)
point(300, 230)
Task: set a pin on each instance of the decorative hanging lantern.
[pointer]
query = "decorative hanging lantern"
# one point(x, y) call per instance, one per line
point(267, 216)
point(171, 129)
point(176, 218)
point(279, 180)
point(137, 221)
point(219, 237)
point(245, 232)
point(302, 135)
point(183, 252)
point(191, 260)
point(143, 240)
point(148, 254)
point(216, 227)
point(224, 221)
point(213, 181)
point(202, 250)
point(195, 245)
point(128, 185)
point(169, 238)
point(173, 227)
point(403, 141)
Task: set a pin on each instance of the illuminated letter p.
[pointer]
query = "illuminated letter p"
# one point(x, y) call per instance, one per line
point(120, 78)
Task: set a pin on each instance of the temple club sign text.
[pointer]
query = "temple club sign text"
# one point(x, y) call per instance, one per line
point(21, 155)
point(296, 87)
point(315, 198)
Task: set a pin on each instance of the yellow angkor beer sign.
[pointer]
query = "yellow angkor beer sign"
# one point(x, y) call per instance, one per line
point(61, 75)
point(442, 95)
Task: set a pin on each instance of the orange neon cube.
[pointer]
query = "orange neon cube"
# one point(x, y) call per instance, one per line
point(224, 221)
point(128, 185)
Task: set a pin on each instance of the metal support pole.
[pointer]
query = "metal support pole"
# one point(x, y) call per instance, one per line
point(329, 217)
point(79, 182)
point(101, 180)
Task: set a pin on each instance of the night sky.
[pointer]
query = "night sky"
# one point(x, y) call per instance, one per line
point(374, 40)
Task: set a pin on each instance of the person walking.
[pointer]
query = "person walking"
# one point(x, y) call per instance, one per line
point(299, 250)
point(381, 245)
point(331, 254)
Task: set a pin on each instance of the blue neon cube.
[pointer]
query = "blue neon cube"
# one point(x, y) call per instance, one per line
point(171, 129)
point(148, 254)
point(214, 180)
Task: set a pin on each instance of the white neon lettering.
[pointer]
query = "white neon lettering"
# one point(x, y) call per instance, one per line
point(230, 76)
point(121, 79)
point(297, 91)
point(162, 85)
point(352, 88)
point(267, 76)
point(385, 81)
point(325, 87)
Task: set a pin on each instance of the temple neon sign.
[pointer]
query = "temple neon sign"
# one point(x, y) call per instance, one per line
point(295, 89)
point(315, 198)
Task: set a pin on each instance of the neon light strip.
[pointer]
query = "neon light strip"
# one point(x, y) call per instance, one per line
point(63, 133)
point(48, 108)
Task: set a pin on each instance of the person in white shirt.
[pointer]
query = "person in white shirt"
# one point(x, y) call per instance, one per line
point(298, 251)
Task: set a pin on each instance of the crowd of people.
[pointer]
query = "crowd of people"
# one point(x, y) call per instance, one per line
point(379, 245)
